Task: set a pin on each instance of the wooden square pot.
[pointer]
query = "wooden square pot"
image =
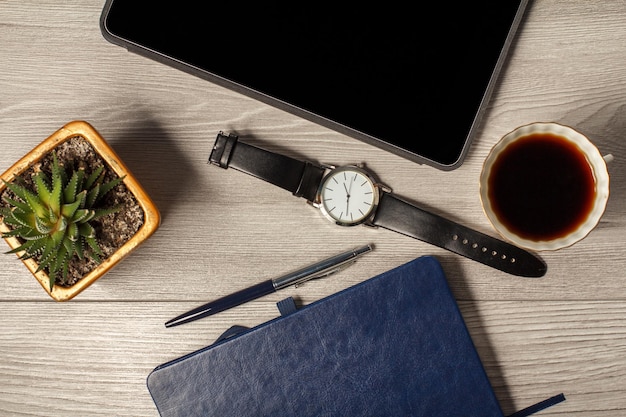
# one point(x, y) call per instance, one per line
point(151, 216)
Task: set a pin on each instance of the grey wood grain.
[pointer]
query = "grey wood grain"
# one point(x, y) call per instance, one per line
point(222, 230)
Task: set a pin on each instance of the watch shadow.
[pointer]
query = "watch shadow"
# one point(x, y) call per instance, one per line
point(247, 136)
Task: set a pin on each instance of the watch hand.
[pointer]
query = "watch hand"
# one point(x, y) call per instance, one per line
point(351, 182)
point(349, 190)
point(347, 197)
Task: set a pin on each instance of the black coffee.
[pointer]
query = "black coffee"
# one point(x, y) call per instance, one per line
point(541, 187)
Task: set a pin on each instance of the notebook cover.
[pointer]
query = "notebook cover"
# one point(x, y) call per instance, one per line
point(393, 345)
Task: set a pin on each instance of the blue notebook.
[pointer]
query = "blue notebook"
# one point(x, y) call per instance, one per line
point(393, 345)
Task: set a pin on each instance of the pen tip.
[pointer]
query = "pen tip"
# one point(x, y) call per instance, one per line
point(175, 322)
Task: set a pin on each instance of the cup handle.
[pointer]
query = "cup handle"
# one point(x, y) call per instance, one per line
point(608, 158)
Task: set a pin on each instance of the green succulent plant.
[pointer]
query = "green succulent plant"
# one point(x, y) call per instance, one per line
point(53, 220)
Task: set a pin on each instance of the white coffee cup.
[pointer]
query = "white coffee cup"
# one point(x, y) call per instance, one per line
point(544, 186)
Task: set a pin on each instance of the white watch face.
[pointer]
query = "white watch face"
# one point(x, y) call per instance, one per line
point(348, 196)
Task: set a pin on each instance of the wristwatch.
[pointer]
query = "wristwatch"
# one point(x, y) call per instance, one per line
point(350, 195)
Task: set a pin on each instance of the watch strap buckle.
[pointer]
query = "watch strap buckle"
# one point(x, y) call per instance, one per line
point(222, 150)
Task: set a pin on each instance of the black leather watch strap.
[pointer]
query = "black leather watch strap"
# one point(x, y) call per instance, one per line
point(303, 179)
point(298, 177)
point(403, 217)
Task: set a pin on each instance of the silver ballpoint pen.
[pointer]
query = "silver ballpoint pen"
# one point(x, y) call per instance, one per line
point(317, 270)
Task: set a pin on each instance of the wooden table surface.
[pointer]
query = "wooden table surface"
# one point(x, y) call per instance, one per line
point(222, 230)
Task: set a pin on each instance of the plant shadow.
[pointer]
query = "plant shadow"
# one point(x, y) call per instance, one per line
point(154, 156)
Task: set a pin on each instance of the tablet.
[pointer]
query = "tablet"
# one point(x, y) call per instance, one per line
point(413, 80)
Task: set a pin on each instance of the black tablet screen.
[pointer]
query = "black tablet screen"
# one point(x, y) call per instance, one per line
point(410, 79)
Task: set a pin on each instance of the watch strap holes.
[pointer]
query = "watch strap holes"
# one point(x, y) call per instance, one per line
point(483, 249)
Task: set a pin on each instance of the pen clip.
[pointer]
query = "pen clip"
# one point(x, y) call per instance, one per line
point(324, 274)
point(320, 269)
